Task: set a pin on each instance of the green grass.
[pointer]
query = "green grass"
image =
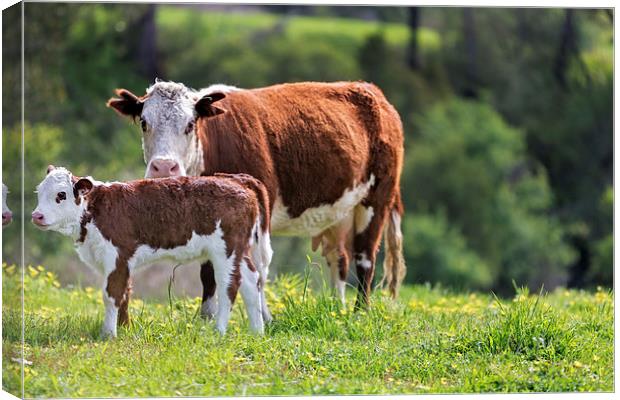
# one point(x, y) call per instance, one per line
point(430, 340)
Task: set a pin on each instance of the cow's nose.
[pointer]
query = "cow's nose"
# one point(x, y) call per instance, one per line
point(7, 216)
point(164, 168)
point(38, 218)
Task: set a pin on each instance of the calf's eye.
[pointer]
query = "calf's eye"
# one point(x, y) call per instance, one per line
point(143, 124)
point(61, 196)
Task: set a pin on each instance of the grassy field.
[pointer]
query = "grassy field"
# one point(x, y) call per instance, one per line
point(430, 340)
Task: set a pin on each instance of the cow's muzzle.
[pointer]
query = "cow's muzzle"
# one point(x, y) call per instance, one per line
point(162, 168)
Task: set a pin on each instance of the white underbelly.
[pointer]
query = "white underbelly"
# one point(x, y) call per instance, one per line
point(315, 220)
point(197, 248)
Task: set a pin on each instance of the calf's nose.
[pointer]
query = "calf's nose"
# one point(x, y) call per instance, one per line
point(7, 216)
point(38, 218)
point(164, 168)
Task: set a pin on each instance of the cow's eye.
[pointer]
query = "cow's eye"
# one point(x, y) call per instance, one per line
point(143, 124)
point(61, 196)
point(190, 127)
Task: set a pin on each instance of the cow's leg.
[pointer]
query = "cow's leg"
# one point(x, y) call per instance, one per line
point(209, 299)
point(366, 244)
point(250, 281)
point(338, 261)
point(336, 243)
point(115, 292)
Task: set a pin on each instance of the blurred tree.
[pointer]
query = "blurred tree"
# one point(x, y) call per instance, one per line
point(413, 56)
point(146, 50)
point(471, 70)
point(11, 128)
point(567, 47)
point(436, 252)
point(468, 164)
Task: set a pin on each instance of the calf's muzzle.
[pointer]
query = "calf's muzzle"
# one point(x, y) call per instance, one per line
point(7, 217)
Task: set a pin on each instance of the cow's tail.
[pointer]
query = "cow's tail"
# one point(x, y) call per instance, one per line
point(394, 269)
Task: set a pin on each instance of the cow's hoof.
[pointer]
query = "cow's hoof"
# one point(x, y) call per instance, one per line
point(208, 309)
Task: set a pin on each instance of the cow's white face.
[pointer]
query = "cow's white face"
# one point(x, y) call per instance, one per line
point(168, 114)
point(7, 215)
point(57, 208)
point(169, 141)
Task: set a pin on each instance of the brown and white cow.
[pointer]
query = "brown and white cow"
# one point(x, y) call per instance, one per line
point(120, 226)
point(7, 215)
point(330, 155)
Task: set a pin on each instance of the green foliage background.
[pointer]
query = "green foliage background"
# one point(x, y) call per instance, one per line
point(508, 171)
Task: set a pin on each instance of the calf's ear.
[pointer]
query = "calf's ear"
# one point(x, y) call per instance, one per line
point(82, 187)
point(205, 108)
point(127, 103)
point(50, 168)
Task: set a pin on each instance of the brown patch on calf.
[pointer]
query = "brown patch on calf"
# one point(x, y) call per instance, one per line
point(259, 190)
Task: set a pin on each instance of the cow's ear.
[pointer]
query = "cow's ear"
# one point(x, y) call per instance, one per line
point(82, 187)
point(205, 107)
point(127, 103)
point(50, 168)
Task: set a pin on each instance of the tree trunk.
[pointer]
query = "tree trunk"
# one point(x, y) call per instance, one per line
point(471, 69)
point(147, 46)
point(566, 48)
point(413, 57)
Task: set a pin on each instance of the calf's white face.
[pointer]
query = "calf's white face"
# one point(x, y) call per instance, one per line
point(57, 208)
point(7, 215)
point(168, 114)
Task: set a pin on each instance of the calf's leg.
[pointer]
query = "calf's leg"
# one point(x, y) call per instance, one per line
point(115, 298)
point(123, 312)
point(251, 295)
point(227, 280)
point(261, 257)
point(209, 300)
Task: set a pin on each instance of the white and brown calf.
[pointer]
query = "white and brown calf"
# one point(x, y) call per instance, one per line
point(122, 225)
point(7, 215)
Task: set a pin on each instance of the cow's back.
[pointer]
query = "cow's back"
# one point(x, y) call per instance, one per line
point(308, 142)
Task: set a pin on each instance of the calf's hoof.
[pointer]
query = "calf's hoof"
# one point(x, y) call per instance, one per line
point(107, 334)
point(267, 317)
